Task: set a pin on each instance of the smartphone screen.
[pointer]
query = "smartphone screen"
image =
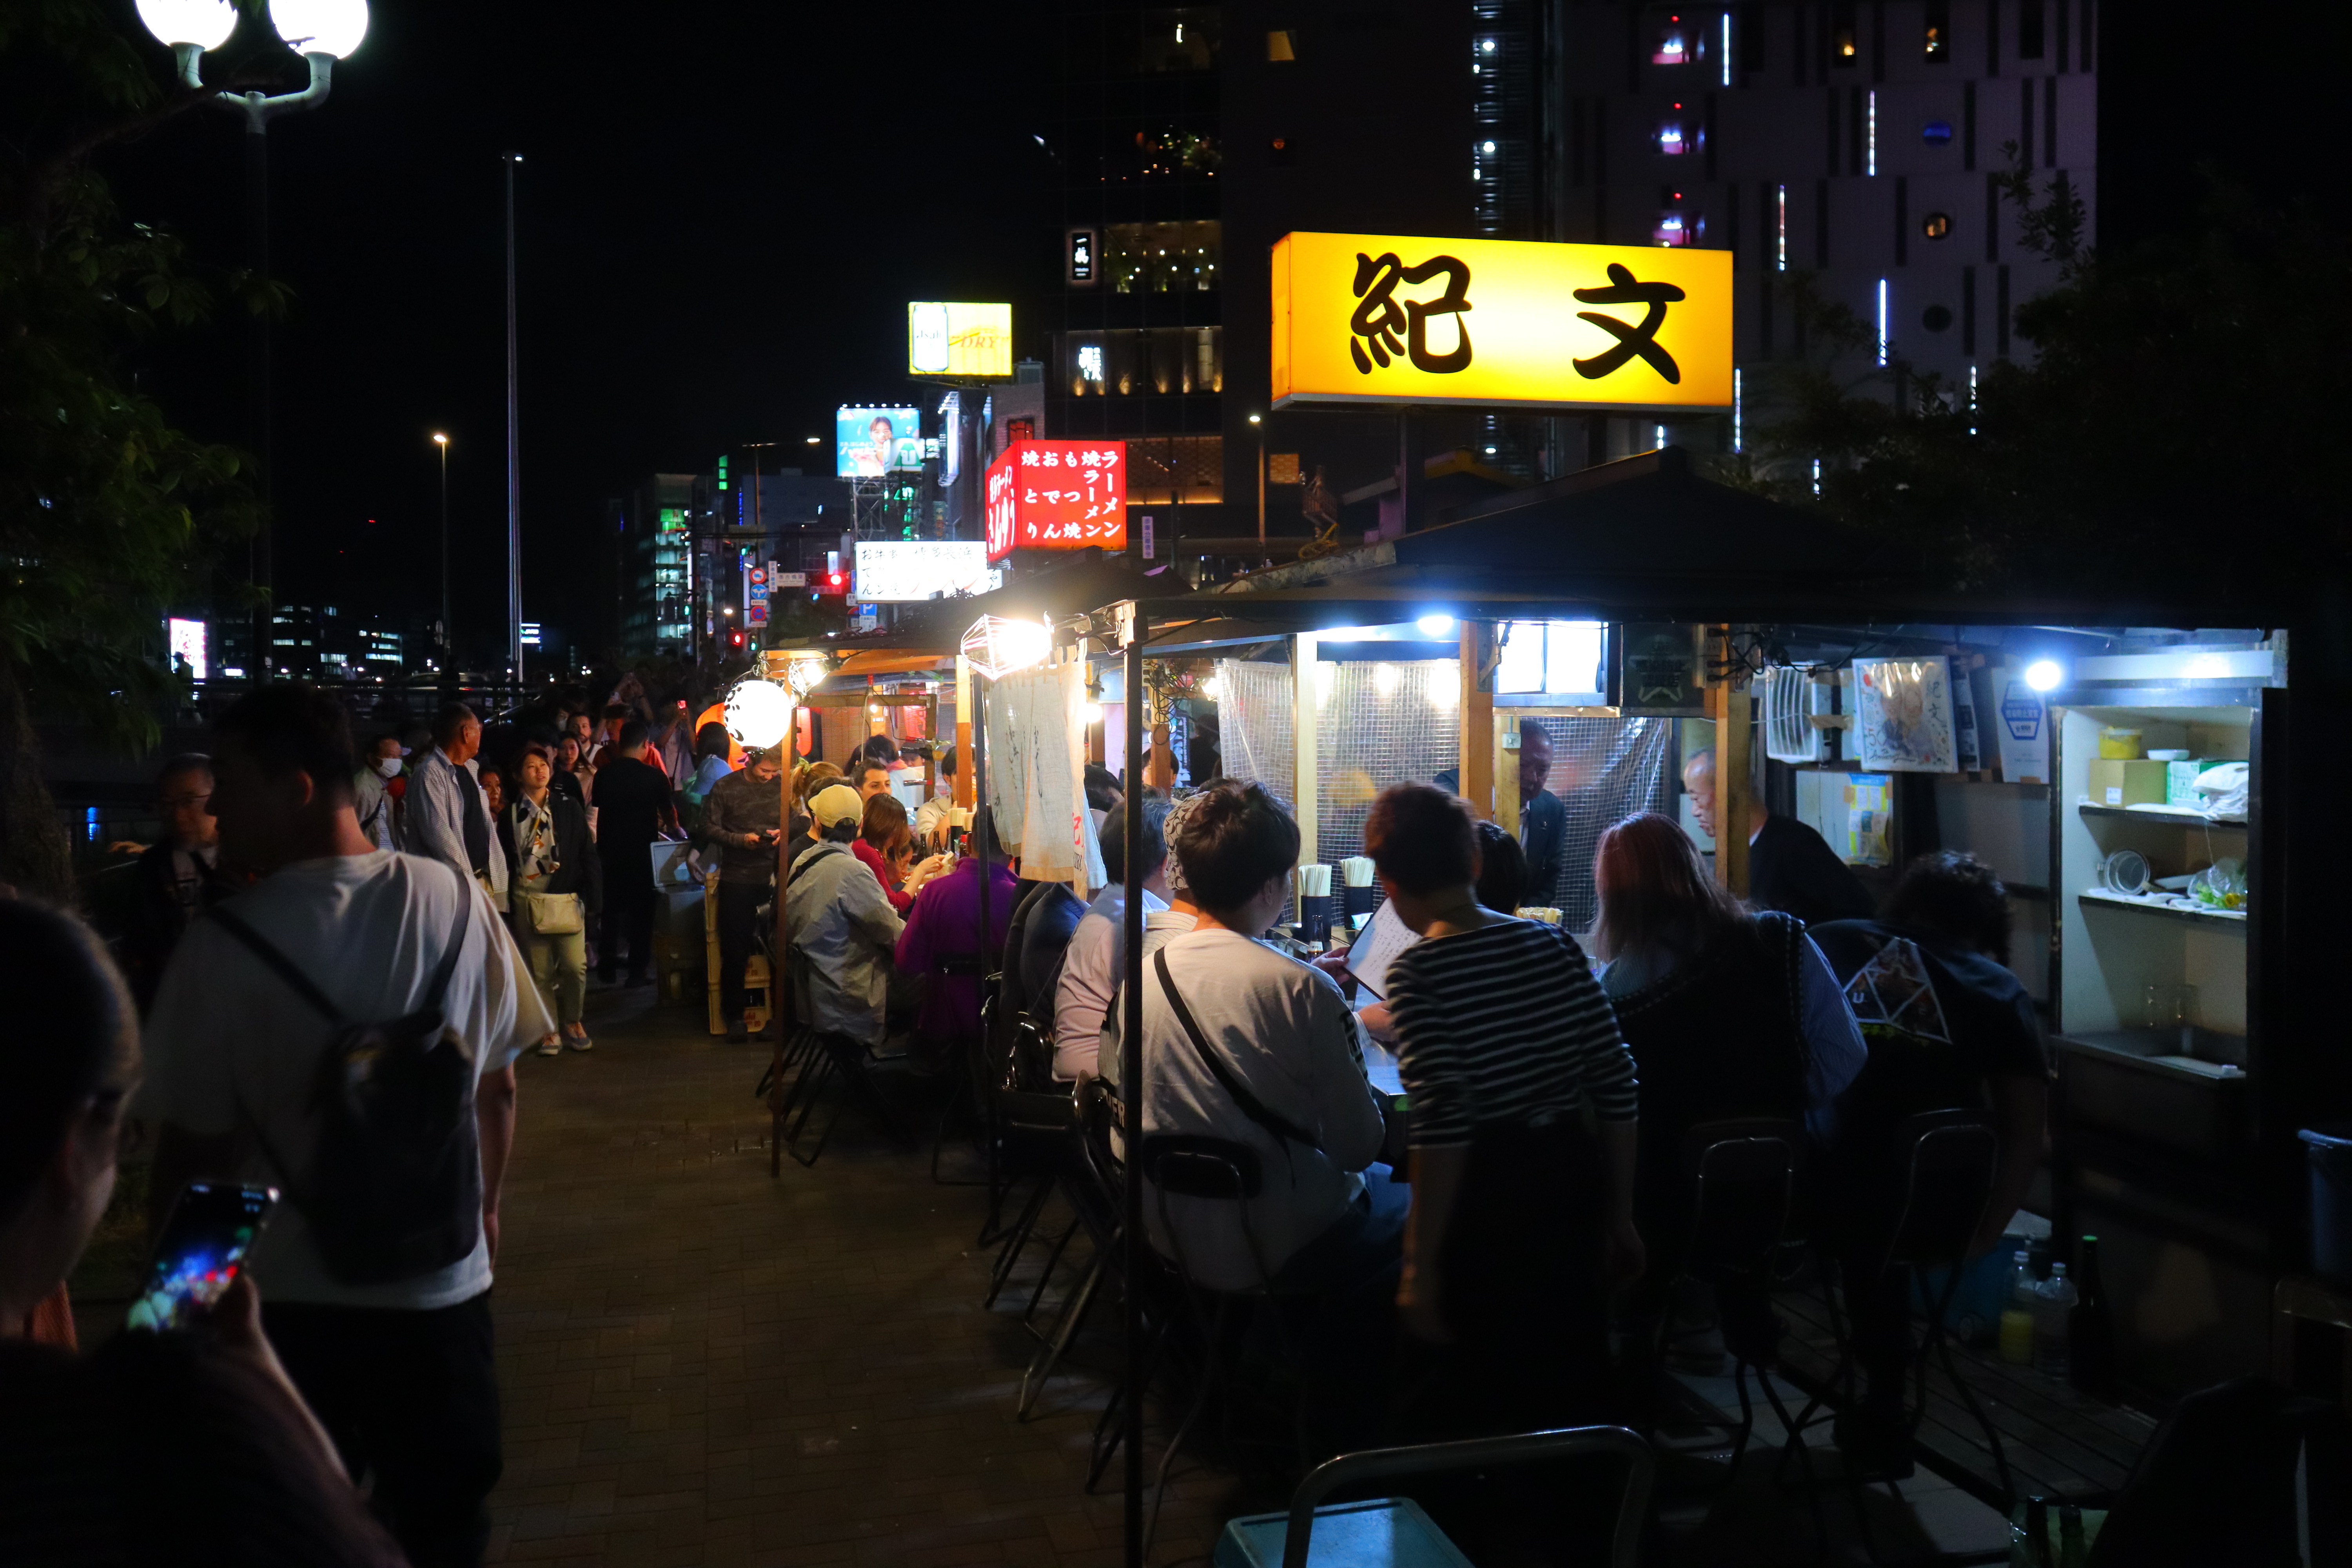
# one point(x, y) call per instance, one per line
point(201, 1251)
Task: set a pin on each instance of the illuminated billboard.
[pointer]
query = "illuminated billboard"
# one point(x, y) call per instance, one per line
point(904, 571)
point(868, 443)
point(1058, 495)
point(186, 640)
point(1379, 318)
point(958, 338)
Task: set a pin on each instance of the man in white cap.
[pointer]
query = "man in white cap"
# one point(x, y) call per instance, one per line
point(841, 922)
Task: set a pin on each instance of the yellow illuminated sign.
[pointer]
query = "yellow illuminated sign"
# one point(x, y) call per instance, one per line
point(956, 338)
point(1381, 317)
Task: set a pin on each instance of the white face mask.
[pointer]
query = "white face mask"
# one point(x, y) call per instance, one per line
point(388, 766)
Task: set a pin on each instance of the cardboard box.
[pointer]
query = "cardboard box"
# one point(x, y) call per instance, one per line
point(2136, 782)
point(2180, 779)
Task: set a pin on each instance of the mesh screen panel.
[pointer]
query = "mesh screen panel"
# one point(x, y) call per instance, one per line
point(1379, 724)
point(1256, 733)
point(1604, 770)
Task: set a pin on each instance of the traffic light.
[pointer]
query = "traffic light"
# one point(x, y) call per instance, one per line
point(836, 583)
point(735, 640)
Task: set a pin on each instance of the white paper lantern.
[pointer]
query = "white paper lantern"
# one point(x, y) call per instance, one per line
point(759, 714)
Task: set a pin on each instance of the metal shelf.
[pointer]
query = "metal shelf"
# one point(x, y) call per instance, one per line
point(2163, 911)
point(2169, 818)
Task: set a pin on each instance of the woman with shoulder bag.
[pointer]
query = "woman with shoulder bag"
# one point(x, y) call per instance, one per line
point(557, 884)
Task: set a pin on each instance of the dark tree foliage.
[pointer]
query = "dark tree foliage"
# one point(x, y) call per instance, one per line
point(108, 514)
point(2169, 438)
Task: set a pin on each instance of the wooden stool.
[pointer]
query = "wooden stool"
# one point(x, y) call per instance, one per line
point(2300, 1305)
point(756, 1003)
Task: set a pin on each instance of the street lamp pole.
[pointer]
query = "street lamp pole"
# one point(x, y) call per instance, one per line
point(514, 446)
point(322, 32)
point(441, 441)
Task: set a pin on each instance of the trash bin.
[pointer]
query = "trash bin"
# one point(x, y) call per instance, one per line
point(2329, 1150)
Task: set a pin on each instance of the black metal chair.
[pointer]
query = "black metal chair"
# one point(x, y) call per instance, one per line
point(1946, 1162)
point(1743, 1178)
point(1403, 1539)
point(1091, 1179)
point(828, 1057)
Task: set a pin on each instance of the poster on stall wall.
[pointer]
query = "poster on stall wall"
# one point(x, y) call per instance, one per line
point(1902, 715)
point(2023, 724)
point(1854, 812)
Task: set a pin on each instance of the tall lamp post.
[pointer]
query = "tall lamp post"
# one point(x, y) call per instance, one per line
point(441, 443)
point(514, 448)
point(322, 32)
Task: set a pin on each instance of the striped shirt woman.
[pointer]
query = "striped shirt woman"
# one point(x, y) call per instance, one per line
point(1521, 1099)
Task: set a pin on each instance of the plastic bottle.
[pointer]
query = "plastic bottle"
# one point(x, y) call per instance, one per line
point(2092, 1330)
point(2056, 1300)
point(2016, 1341)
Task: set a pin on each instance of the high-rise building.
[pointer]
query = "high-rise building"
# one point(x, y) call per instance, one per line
point(653, 532)
point(1845, 150)
point(1136, 345)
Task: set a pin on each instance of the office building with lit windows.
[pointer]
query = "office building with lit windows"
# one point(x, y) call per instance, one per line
point(1846, 151)
point(1136, 344)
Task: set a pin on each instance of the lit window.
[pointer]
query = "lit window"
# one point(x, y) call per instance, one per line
point(1936, 225)
point(1669, 139)
point(1676, 228)
point(1673, 46)
point(1937, 133)
point(1845, 35)
point(1936, 35)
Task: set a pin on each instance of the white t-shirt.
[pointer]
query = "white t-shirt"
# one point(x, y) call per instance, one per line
point(1281, 1028)
point(1090, 972)
point(229, 1041)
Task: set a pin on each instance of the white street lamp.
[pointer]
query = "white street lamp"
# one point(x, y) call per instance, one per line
point(321, 27)
point(322, 32)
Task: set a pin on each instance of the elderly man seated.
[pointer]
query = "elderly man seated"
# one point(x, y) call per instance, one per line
point(843, 927)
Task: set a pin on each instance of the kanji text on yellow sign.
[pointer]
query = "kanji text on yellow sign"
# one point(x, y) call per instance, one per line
point(1383, 318)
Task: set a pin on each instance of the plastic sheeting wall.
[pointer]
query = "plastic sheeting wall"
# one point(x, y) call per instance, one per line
point(1379, 724)
point(1604, 770)
point(1257, 732)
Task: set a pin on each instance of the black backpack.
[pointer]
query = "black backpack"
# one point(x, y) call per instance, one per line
point(394, 1188)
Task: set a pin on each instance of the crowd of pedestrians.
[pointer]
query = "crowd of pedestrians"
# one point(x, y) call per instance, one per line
point(316, 905)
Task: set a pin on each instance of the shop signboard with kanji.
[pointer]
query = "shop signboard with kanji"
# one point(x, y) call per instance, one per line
point(1379, 318)
point(1056, 495)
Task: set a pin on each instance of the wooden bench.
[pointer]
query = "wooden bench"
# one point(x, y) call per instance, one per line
point(2059, 1443)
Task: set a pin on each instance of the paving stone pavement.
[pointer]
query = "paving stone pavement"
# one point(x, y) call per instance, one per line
point(702, 1364)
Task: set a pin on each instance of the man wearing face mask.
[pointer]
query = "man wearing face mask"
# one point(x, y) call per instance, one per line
point(374, 796)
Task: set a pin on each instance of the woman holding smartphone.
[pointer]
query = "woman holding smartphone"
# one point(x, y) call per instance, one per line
point(130, 1454)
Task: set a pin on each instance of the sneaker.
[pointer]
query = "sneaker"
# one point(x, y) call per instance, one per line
point(578, 1042)
point(551, 1047)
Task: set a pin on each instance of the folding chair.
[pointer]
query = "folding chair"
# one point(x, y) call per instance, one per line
point(1394, 1532)
point(1948, 1161)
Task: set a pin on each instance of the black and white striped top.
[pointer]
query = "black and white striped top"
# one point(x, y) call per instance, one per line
point(1503, 1025)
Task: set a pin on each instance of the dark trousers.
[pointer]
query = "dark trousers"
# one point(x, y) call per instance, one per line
point(739, 901)
point(628, 919)
point(411, 1400)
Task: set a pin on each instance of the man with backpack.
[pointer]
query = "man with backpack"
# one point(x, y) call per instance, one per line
point(346, 1031)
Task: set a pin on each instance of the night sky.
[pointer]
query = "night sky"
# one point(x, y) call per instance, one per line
point(723, 211)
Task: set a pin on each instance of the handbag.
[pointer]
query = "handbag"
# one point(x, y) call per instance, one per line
point(552, 914)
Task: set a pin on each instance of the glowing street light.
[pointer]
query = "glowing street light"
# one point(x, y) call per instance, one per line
point(997, 647)
point(322, 32)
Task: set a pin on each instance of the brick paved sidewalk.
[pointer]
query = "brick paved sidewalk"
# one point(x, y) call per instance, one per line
point(702, 1365)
